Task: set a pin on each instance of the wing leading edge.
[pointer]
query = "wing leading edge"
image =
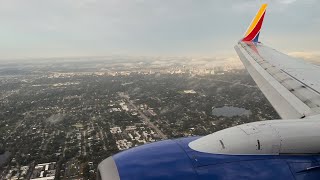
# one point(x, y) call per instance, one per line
point(291, 85)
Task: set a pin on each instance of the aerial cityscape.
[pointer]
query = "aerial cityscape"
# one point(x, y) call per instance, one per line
point(60, 119)
point(160, 90)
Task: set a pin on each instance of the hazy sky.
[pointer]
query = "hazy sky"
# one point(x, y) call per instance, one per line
point(55, 28)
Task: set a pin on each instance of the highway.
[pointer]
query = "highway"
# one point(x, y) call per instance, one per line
point(145, 118)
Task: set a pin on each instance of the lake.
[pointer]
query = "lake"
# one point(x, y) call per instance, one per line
point(4, 157)
point(230, 111)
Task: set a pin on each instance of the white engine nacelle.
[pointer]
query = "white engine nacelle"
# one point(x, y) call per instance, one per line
point(272, 137)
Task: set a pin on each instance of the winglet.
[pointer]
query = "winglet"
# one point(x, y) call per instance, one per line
point(253, 31)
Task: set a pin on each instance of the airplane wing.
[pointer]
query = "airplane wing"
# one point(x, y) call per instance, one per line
point(291, 85)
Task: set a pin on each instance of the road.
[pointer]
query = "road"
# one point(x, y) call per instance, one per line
point(144, 117)
point(102, 137)
point(65, 145)
point(84, 151)
point(147, 121)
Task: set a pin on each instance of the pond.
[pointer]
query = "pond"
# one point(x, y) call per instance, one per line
point(4, 157)
point(230, 111)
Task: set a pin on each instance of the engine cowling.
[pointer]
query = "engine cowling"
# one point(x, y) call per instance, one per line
point(272, 137)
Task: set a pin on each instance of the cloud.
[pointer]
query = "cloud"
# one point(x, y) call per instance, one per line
point(287, 1)
point(313, 57)
point(152, 27)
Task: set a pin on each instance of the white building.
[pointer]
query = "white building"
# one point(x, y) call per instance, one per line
point(115, 130)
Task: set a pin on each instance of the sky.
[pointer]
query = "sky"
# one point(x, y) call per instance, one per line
point(72, 28)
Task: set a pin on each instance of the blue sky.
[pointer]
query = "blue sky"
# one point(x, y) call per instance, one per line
point(57, 28)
